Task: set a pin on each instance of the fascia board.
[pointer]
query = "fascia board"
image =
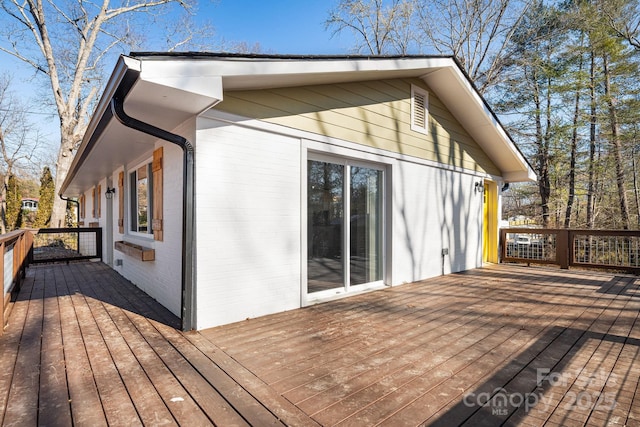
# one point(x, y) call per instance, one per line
point(185, 77)
point(251, 73)
point(178, 96)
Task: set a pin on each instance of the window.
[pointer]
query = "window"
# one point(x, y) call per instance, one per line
point(419, 109)
point(141, 194)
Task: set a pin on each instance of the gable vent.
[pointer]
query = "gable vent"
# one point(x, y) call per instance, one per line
point(419, 109)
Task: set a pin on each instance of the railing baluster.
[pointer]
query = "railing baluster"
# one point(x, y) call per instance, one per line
point(613, 249)
point(68, 244)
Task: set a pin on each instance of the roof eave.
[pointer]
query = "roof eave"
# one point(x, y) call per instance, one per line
point(126, 71)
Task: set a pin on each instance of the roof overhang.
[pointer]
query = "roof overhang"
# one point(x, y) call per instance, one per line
point(165, 101)
point(166, 89)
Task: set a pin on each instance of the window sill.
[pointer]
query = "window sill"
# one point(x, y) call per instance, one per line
point(136, 251)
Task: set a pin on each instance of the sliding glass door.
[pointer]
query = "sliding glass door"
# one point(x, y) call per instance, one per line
point(344, 225)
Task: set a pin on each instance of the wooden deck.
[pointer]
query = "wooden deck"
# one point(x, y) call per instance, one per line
point(500, 345)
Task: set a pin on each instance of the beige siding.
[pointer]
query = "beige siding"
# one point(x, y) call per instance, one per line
point(375, 113)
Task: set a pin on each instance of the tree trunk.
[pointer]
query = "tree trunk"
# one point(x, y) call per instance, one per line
point(616, 146)
point(3, 206)
point(544, 138)
point(636, 190)
point(65, 157)
point(574, 152)
point(592, 143)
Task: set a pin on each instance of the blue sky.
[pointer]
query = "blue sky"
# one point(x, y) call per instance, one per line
point(280, 26)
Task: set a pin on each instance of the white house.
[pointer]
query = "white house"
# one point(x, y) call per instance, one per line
point(29, 204)
point(242, 185)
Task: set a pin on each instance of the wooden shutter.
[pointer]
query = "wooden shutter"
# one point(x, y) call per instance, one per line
point(93, 202)
point(99, 201)
point(121, 203)
point(156, 168)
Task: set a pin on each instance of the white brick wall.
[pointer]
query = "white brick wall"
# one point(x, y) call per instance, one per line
point(161, 278)
point(249, 232)
point(248, 210)
point(249, 228)
point(434, 209)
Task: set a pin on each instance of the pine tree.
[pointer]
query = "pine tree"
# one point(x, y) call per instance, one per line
point(45, 204)
point(14, 204)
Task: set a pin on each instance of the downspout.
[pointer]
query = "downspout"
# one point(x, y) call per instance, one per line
point(188, 317)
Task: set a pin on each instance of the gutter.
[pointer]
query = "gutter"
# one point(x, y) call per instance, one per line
point(188, 314)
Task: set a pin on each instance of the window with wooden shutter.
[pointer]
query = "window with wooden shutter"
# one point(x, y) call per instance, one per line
point(141, 193)
point(121, 203)
point(156, 168)
point(419, 109)
point(93, 202)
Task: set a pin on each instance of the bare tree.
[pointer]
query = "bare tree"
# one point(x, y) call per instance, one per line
point(379, 28)
point(477, 32)
point(67, 41)
point(18, 141)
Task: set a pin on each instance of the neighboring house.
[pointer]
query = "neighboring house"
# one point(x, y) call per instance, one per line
point(29, 204)
point(248, 185)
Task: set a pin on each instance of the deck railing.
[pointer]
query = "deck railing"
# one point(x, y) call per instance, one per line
point(608, 249)
point(67, 244)
point(15, 248)
point(22, 247)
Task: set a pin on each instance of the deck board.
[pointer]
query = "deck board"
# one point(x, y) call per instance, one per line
point(22, 402)
point(85, 347)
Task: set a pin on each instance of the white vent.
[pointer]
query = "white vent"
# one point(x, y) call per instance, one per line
point(419, 109)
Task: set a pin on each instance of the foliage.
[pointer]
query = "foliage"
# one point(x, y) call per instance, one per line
point(45, 204)
point(14, 204)
point(571, 92)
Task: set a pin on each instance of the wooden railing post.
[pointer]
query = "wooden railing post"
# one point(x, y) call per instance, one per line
point(562, 248)
point(571, 236)
point(503, 244)
point(2, 304)
point(20, 243)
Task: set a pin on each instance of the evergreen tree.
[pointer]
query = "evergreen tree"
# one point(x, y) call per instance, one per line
point(531, 90)
point(45, 205)
point(14, 204)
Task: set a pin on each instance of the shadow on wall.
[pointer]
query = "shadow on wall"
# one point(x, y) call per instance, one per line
point(450, 199)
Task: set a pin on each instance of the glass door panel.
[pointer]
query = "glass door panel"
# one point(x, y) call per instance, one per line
point(365, 225)
point(325, 226)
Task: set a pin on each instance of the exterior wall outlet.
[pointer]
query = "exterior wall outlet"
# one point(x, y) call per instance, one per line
point(118, 262)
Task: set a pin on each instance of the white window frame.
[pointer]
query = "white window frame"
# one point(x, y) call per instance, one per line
point(416, 107)
point(132, 191)
point(347, 162)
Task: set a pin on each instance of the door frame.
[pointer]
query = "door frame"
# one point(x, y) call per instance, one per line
point(490, 232)
point(347, 289)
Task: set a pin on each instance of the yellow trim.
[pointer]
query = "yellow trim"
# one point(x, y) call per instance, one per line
point(490, 222)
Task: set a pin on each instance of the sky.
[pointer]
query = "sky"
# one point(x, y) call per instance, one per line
point(278, 26)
